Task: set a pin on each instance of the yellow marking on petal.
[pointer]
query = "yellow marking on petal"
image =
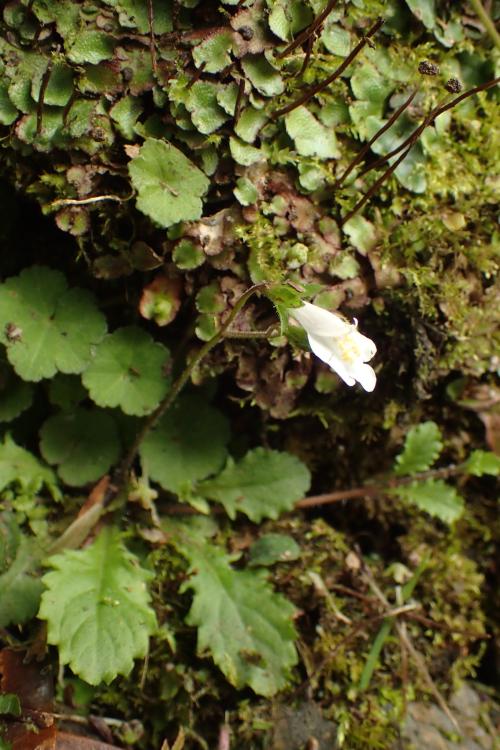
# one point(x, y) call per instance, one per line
point(348, 349)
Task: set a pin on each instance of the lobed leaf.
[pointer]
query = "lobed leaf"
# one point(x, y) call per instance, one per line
point(19, 466)
point(45, 326)
point(128, 371)
point(83, 444)
point(98, 609)
point(422, 447)
point(264, 484)
point(187, 445)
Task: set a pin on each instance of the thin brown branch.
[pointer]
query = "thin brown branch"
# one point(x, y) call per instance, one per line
point(197, 74)
point(308, 32)
point(372, 490)
point(152, 42)
point(239, 101)
point(307, 56)
point(429, 120)
point(361, 155)
point(313, 90)
point(41, 97)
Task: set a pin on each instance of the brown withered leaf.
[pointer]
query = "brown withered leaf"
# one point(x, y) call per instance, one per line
point(161, 299)
point(216, 232)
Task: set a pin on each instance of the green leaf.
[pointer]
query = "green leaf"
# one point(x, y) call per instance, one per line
point(336, 40)
point(422, 447)
point(262, 75)
point(15, 395)
point(273, 548)
point(424, 10)
point(311, 138)
point(435, 497)
point(482, 462)
point(19, 467)
point(19, 590)
point(249, 123)
point(134, 14)
point(242, 623)
point(128, 371)
point(98, 609)
point(287, 17)
point(202, 104)
point(66, 391)
point(245, 191)
point(187, 255)
point(361, 233)
point(169, 186)
point(45, 326)
point(214, 51)
point(91, 47)
point(59, 88)
point(83, 444)
point(8, 113)
point(9, 704)
point(243, 153)
point(125, 114)
point(263, 484)
point(188, 444)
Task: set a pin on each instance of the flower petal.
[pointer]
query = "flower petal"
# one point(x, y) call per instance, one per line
point(320, 322)
point(365, 375)
point(324, 348)
point(367, 346)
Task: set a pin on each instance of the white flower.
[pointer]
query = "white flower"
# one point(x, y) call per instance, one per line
point(338, 343)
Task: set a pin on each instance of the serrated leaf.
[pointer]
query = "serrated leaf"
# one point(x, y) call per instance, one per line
point(98, 609)
point(20, 591)
point(168, 184)
point(435, 497)
point(483, 462)
point(134, 13)
point(273, 548)
point(243, 153)
point(242, 623)
point(311, 138)
point(264, 484)
point(187, 445)
point(125, 114)
point(128, 371)
point(249, 123)
point(245, 192)
point(45, 326)
point(422, 447)
point(83, 444)
point(19, 467)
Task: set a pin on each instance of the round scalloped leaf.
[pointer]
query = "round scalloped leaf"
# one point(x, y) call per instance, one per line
point(311, 138)
point(128, 371)
point(169, 186)
point(83, 444)
point(45, 326)
point(98, 608)
point(188, 444)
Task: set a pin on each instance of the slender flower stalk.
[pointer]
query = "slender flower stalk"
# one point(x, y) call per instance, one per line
point(338, 343)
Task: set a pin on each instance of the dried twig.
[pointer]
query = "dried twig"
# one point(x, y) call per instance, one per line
point(86, 201)
point(41, 97)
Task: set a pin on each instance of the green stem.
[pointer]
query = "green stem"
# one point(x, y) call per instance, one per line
point(179, 384)
point(487, 22)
